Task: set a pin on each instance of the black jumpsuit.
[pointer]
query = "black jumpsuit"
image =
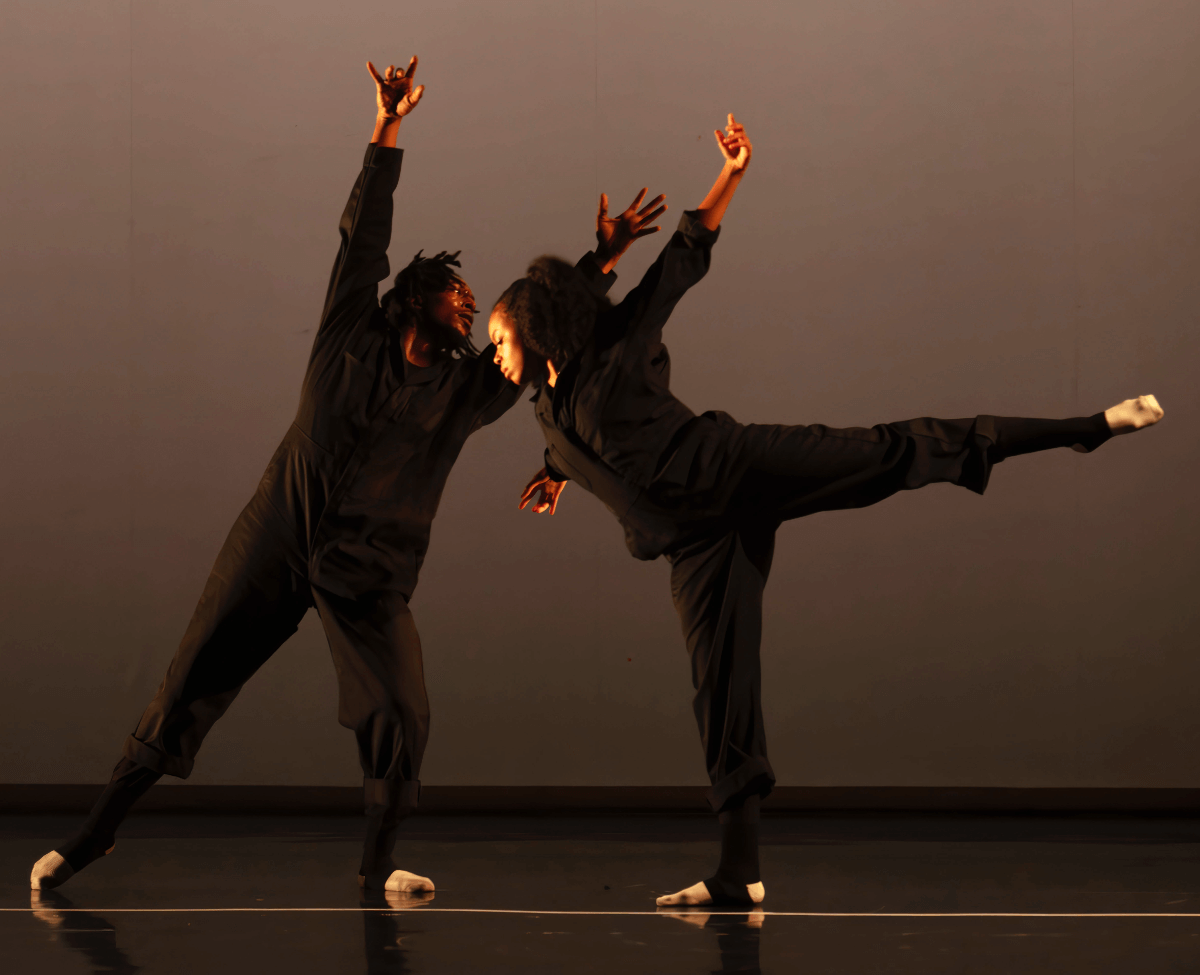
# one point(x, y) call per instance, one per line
point(341, 521)
point(709, 493)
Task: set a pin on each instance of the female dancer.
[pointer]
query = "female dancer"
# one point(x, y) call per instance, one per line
point(342, 515)
point(709, 493)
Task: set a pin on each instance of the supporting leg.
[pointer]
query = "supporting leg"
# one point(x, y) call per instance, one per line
point(738, 870)
point(717, 586)
point(388, 803)
point(382, 699)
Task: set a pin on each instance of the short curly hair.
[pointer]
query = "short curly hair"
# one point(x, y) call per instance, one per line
point(422, 277)
point(552, 309)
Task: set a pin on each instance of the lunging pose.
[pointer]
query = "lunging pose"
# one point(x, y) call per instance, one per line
point(342, 515)
point(709, 493)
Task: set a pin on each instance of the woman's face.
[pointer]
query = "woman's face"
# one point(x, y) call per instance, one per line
point(510, 350)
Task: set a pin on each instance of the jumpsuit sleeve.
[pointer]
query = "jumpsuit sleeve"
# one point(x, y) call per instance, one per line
point(366, 231)
point(682, 263)
point(597, 281)
point(551, 472)
point(495, 393)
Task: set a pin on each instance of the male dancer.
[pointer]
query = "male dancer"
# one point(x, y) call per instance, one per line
point(709, 493)
point(341, 517)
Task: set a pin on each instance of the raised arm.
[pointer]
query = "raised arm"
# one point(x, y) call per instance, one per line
point(736, 149)
point(685, 258)
point(366, 224)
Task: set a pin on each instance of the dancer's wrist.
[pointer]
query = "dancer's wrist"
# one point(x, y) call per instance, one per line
point(386, 128)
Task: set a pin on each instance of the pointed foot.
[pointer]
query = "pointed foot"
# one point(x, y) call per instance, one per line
point(1133, 414)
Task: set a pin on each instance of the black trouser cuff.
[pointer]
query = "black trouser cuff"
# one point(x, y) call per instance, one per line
point(147, 756)
point(754, 777)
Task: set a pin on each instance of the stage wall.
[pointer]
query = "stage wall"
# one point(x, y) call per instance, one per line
point(953, 208)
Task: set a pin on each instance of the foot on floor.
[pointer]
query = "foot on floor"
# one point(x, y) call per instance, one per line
point(698, 894)
point(53, 870)
point(400, 881)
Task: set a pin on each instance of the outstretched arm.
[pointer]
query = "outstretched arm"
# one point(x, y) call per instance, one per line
point(736, 149)
point(396, 97)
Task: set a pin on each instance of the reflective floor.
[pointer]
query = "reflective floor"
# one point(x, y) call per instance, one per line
point(901, 894)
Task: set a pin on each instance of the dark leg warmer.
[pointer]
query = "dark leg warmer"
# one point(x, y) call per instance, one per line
point(739, 855)
point(1022, 435)
point(389, 802)
point(129, 783)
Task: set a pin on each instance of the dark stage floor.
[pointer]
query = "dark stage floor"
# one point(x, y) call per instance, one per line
point(894, 894)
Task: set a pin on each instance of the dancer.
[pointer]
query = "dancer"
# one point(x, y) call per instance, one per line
point(342, 515)
point(709, 493)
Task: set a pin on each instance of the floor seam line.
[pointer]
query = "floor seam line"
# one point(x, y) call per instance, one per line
point(501, 910)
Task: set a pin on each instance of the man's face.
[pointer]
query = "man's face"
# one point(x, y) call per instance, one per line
point(453, 308)
point(510, 351)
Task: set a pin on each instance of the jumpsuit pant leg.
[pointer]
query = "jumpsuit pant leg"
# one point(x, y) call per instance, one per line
point(799, 470)
point(717, 586)
point(253, 601)
point(717, 577)
point(382, 699)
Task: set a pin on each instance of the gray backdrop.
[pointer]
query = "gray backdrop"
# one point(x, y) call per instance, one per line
point(953, 208)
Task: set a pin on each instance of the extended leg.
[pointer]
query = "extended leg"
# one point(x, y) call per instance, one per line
point(381, 691)
point(98, 836)
point(251, 604)
point(798, 470)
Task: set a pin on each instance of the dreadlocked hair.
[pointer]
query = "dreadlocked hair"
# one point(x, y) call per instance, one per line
point(425, 276)
point(552, 309)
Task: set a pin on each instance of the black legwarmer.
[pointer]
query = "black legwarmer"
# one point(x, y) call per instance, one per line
point(388, 803)
point(1022, 435)
point(739, 855)
point(128, 784)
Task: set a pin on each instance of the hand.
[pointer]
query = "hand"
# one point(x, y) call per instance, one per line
point(394, 91)
point(549, 489)
point(615, 234)
point(735, 147)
